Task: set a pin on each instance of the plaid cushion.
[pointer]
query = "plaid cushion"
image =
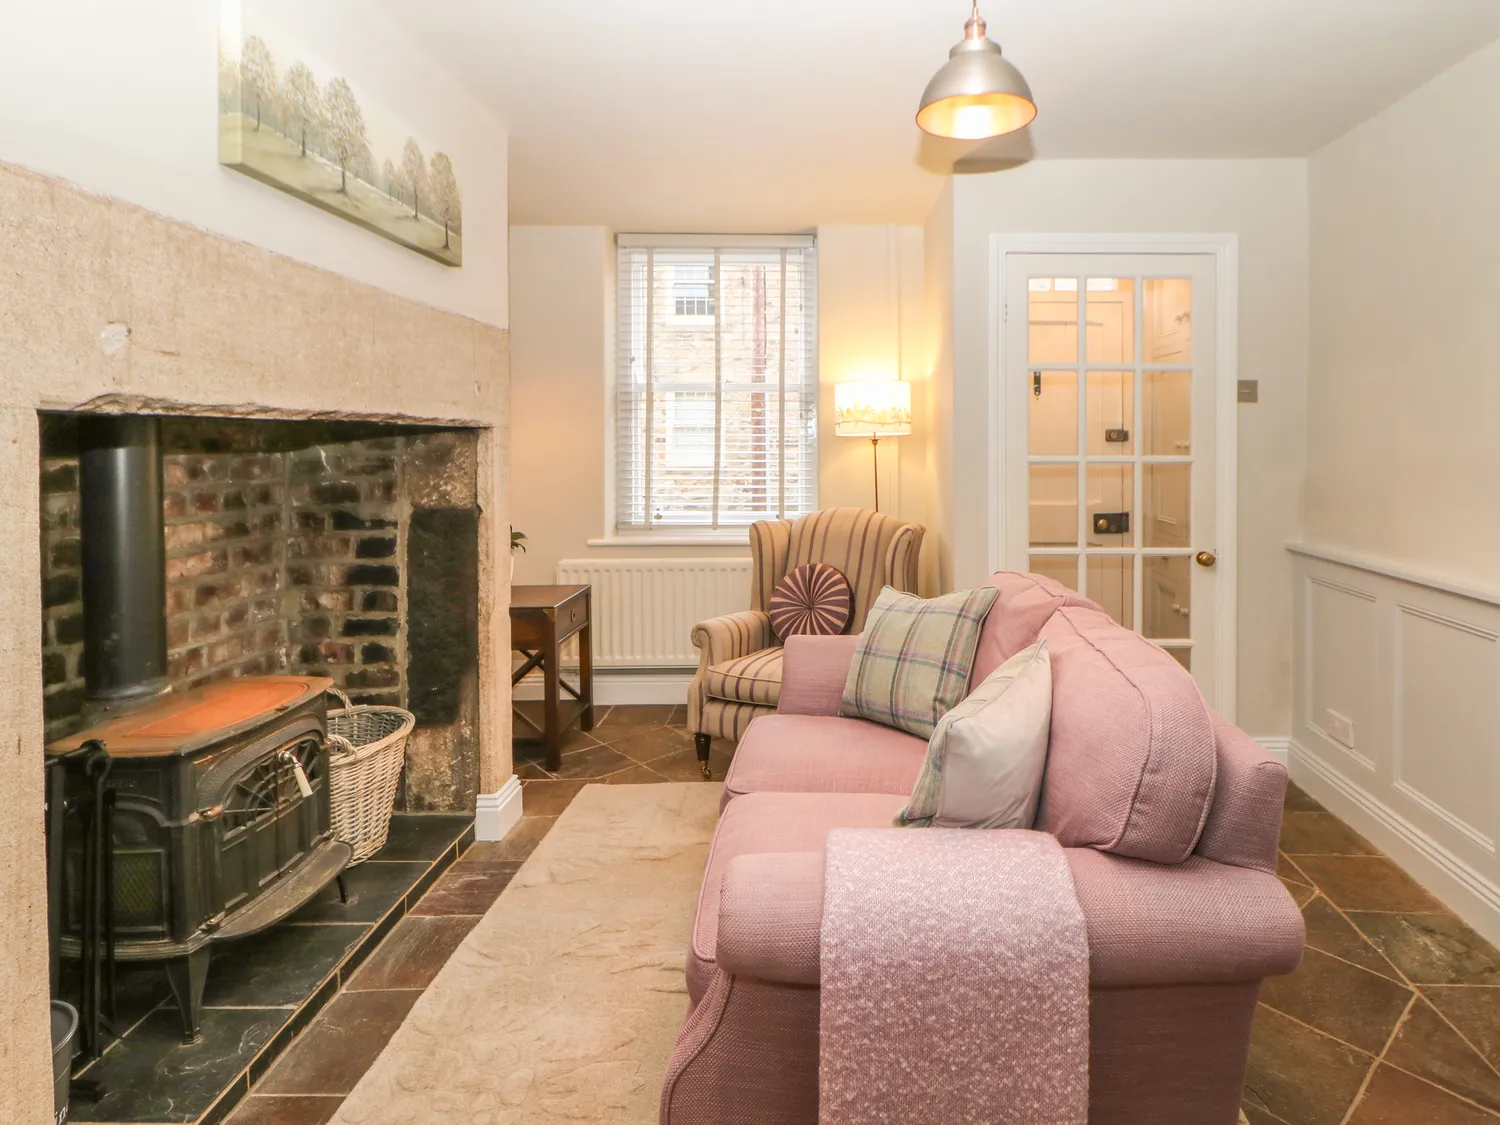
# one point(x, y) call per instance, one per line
point(914, 658)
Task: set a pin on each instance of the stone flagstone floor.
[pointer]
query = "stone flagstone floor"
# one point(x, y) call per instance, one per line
point(1393, 1017)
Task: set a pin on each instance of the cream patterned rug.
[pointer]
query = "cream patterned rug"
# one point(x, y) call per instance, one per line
point(563, 1004)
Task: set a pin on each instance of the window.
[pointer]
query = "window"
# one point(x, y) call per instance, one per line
point(693, 291)
point(716, 383)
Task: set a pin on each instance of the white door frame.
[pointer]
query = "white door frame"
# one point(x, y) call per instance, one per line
point(1225, 250)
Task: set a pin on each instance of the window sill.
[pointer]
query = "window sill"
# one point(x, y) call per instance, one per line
point(675, 539)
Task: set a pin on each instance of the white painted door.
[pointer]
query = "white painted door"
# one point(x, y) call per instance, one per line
point(1109, 444)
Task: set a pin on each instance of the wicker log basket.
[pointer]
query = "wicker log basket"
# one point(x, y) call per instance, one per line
point(367, 748)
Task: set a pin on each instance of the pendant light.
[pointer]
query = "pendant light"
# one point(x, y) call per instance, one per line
point(977, 94)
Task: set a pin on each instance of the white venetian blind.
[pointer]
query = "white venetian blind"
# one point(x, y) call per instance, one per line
point(716, 384)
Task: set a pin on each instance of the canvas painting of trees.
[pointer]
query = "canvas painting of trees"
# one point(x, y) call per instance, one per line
point(310, 136)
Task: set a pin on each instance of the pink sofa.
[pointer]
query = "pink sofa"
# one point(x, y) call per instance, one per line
point(1170, 818)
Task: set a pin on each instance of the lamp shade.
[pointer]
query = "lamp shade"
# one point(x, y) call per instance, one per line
point(977, 94)
point(875, 409)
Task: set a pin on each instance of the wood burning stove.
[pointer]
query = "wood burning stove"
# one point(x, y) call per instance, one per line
point(220, 823)
point(216, 823)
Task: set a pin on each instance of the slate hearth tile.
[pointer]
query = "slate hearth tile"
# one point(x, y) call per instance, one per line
point(468, 887)
point(139, 989)
point(1426, 1046)
point(1298, 801)
point(421, 835)
point(413, 954)
point(1339, 999)
point(1331, 932)
point(1432, 948)
point(547, 797)
point(1321, 833)
point(1367, 883)
point(518, 844)
point(303, 1109)
point(1474, 1011)
point(279, 967)
point(1301, 893)
point(597, 761)
point(1396, 1098)
point(1301, 1077)
point(530, 771)
point(635, 775)
point(338, 1047)
point(645, 746)
point(152, 1075)
point(373, 889)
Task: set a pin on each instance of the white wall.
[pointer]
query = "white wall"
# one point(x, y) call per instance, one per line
point(1403, 402)
point(120, 98)
point(1404, 399)
point(1264, 202)
point(562, 363)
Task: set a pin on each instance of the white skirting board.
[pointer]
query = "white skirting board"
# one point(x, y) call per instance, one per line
point(497, 813)
point(618, 688)
point(1468, 893)
point(1278, 748)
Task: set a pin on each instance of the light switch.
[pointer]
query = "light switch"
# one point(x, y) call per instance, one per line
point(1249, 390)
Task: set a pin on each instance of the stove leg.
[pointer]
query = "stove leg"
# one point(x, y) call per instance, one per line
point(187, 976)
point(343, 889)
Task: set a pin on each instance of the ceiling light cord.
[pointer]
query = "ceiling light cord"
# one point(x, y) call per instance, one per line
point(976, 27)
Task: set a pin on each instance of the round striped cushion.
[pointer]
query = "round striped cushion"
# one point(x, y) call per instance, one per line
point(812, 599)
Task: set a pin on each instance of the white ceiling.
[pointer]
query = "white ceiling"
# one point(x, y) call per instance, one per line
point(781, 114)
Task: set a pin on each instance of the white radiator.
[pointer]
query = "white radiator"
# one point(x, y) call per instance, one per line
point(645, 609)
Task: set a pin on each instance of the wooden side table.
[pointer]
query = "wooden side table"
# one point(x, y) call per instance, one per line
point(541, 619)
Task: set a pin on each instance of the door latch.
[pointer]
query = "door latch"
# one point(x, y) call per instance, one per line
point(1112, 523)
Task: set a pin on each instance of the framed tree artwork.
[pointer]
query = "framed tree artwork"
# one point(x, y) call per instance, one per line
point(294, 122)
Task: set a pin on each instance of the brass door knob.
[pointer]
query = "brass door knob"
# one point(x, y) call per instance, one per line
point(1206, 558)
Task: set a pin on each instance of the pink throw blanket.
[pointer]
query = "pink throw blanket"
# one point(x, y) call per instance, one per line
point(954, 980)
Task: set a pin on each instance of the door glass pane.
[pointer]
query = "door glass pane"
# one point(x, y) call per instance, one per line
point(1166, 597)
point(1111, 312)
point(1111, 495)
point(1112, 585)
point(1111, 413)
point(1054, 505)
point(1054, 319)
point(1060, 568)
point(1168, 317)
point(1167, 427)
point(1183, 656)
point(1168, 502)
point(1054, 413)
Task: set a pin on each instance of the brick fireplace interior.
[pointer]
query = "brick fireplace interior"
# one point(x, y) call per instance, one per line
point(348, 550)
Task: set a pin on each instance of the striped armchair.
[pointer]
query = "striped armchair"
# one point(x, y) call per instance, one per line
point(739, 657)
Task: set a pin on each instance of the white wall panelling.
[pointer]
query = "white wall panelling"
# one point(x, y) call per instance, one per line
point(1396, 719)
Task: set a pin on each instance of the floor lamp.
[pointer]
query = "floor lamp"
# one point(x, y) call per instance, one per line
point(873, 410)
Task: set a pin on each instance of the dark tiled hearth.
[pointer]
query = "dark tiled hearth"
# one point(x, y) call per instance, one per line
point(1393, 1017)
point(262, 992)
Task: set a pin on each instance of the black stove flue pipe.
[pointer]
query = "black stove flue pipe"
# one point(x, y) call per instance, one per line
point(124, 558)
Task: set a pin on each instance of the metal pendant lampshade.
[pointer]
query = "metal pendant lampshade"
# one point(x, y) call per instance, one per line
point(977, 94)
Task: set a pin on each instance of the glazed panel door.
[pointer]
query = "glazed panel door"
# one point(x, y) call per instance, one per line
point(1110, 444)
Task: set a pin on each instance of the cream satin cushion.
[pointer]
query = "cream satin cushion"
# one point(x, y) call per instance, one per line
point(986, 758)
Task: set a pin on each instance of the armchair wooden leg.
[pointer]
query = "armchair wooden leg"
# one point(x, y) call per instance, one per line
point(702, 743)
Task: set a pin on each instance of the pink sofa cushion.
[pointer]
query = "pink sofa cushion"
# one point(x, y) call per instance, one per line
point(772, 822)
point(823, 754)
point(1025, 603)
point(1131, 764)
point(813, 673)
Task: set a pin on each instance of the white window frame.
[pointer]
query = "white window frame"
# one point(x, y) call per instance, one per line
point(611, 535)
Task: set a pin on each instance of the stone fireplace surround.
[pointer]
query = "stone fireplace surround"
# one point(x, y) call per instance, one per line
point(112, 308)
